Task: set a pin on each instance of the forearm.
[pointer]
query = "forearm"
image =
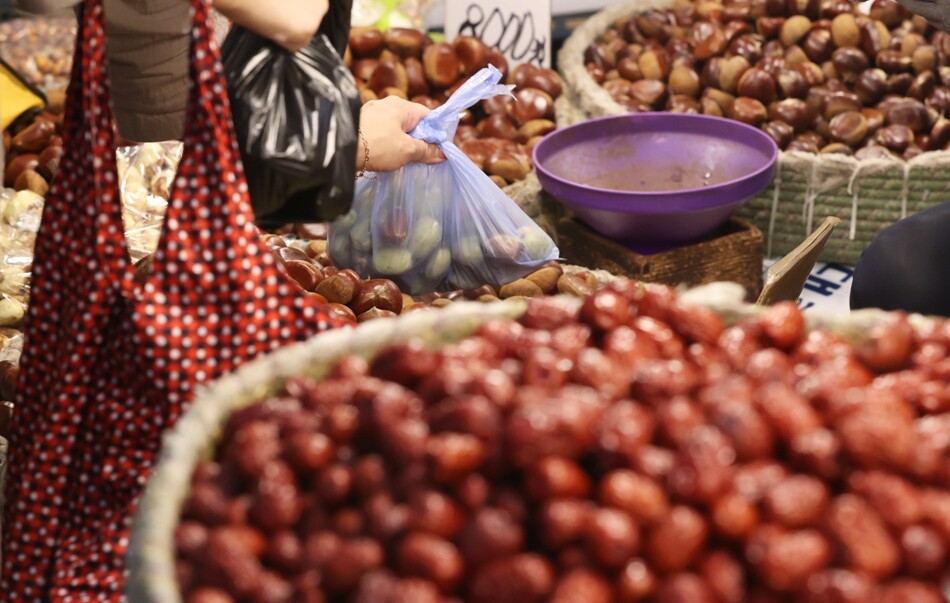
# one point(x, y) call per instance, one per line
point(41, 7)
point(290, 23)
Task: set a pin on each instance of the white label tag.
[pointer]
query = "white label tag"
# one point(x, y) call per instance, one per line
point(519, 30)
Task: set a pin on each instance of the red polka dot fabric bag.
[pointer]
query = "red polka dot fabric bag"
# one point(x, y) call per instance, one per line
point(109, 364)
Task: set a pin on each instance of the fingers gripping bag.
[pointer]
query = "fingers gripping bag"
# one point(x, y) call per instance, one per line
point(444, 226)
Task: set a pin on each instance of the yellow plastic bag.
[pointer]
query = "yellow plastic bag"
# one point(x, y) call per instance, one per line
point(16, 95)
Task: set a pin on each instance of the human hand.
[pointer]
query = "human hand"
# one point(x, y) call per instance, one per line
point(384, 124)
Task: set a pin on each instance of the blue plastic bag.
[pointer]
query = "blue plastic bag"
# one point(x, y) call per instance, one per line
point(440, 227)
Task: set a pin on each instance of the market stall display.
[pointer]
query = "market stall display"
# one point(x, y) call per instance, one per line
point(40, 48)
point(630, 446)
point(857, 101)
point(499, 133)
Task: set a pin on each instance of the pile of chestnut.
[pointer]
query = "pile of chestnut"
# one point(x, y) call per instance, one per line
point(498, 133)
point(817, 75)
point(627, 448)
point(355, 298)
point(33, 146)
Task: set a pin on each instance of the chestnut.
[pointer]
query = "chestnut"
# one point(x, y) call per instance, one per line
point(733, 30)
point(924, 58)
point(531, 103)
point(379, 293)
point(844, 31)
point(497, 125)
point(871, 86)
point(510, 165)
point(415, 78)
point(892, 61)
point(769, 27)
point(908, 112)
point(654, 24)
point(874, 151)
point(803, 146)
point(773, 65)
point(535, 128)
point(836, 148)
point(629, 69)
point(707, 40)
point(684, 80)
point(939, 135)
point(780, 132)
point(923, 86)
point(363, 68)
point(748, 46)
point(732, 70)
point(748, 110)
point(710, 107)
point(544, 79)
point(654, 64)
point(792, 111)
point(773, 48)
point(757, 84)
point(849, 128)
point(889, 12)
point(33, 138)
point(791, 84)
point(619, 89)
point(442, 66)
point(405, 42)
point(899, 83)
point(794, 29)
point(849, 62)
point(17, 165)
point(874, 116)
point(812, 73)
point(795, 56)
point(895, 137)
point(389, 74)
point(840, 102)
point(723, 99)
point(712, 70)
point(366, 42)
point(498, 60)
point(939, 99)
point(600, 56)
point(875, 37)
point(650, 92)
point(818, 45)
point(681, 103)
point(471, 52)
point(48, 163)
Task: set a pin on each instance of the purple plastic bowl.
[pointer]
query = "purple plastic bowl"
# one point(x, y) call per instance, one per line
point(656, 180)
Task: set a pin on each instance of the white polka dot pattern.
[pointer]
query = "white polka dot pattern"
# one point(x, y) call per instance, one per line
point(108, 365)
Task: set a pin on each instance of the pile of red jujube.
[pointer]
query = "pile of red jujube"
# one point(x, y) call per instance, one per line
point(629, 448)
point(816, 75)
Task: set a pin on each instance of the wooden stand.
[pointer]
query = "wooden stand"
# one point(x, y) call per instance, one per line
point(732, 253)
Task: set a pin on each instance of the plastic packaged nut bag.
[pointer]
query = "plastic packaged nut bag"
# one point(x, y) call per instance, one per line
point(440, 227)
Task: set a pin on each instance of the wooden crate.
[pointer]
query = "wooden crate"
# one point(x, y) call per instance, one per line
point(732, 253)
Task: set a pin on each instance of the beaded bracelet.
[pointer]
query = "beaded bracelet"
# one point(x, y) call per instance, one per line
point(362, 171)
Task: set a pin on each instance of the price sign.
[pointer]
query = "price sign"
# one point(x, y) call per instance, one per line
point(520, 30)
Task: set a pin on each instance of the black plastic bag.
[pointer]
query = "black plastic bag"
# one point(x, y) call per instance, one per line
point(296, 116)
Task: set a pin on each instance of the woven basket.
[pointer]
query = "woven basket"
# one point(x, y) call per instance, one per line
point(151, 560)
point(867, 195)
